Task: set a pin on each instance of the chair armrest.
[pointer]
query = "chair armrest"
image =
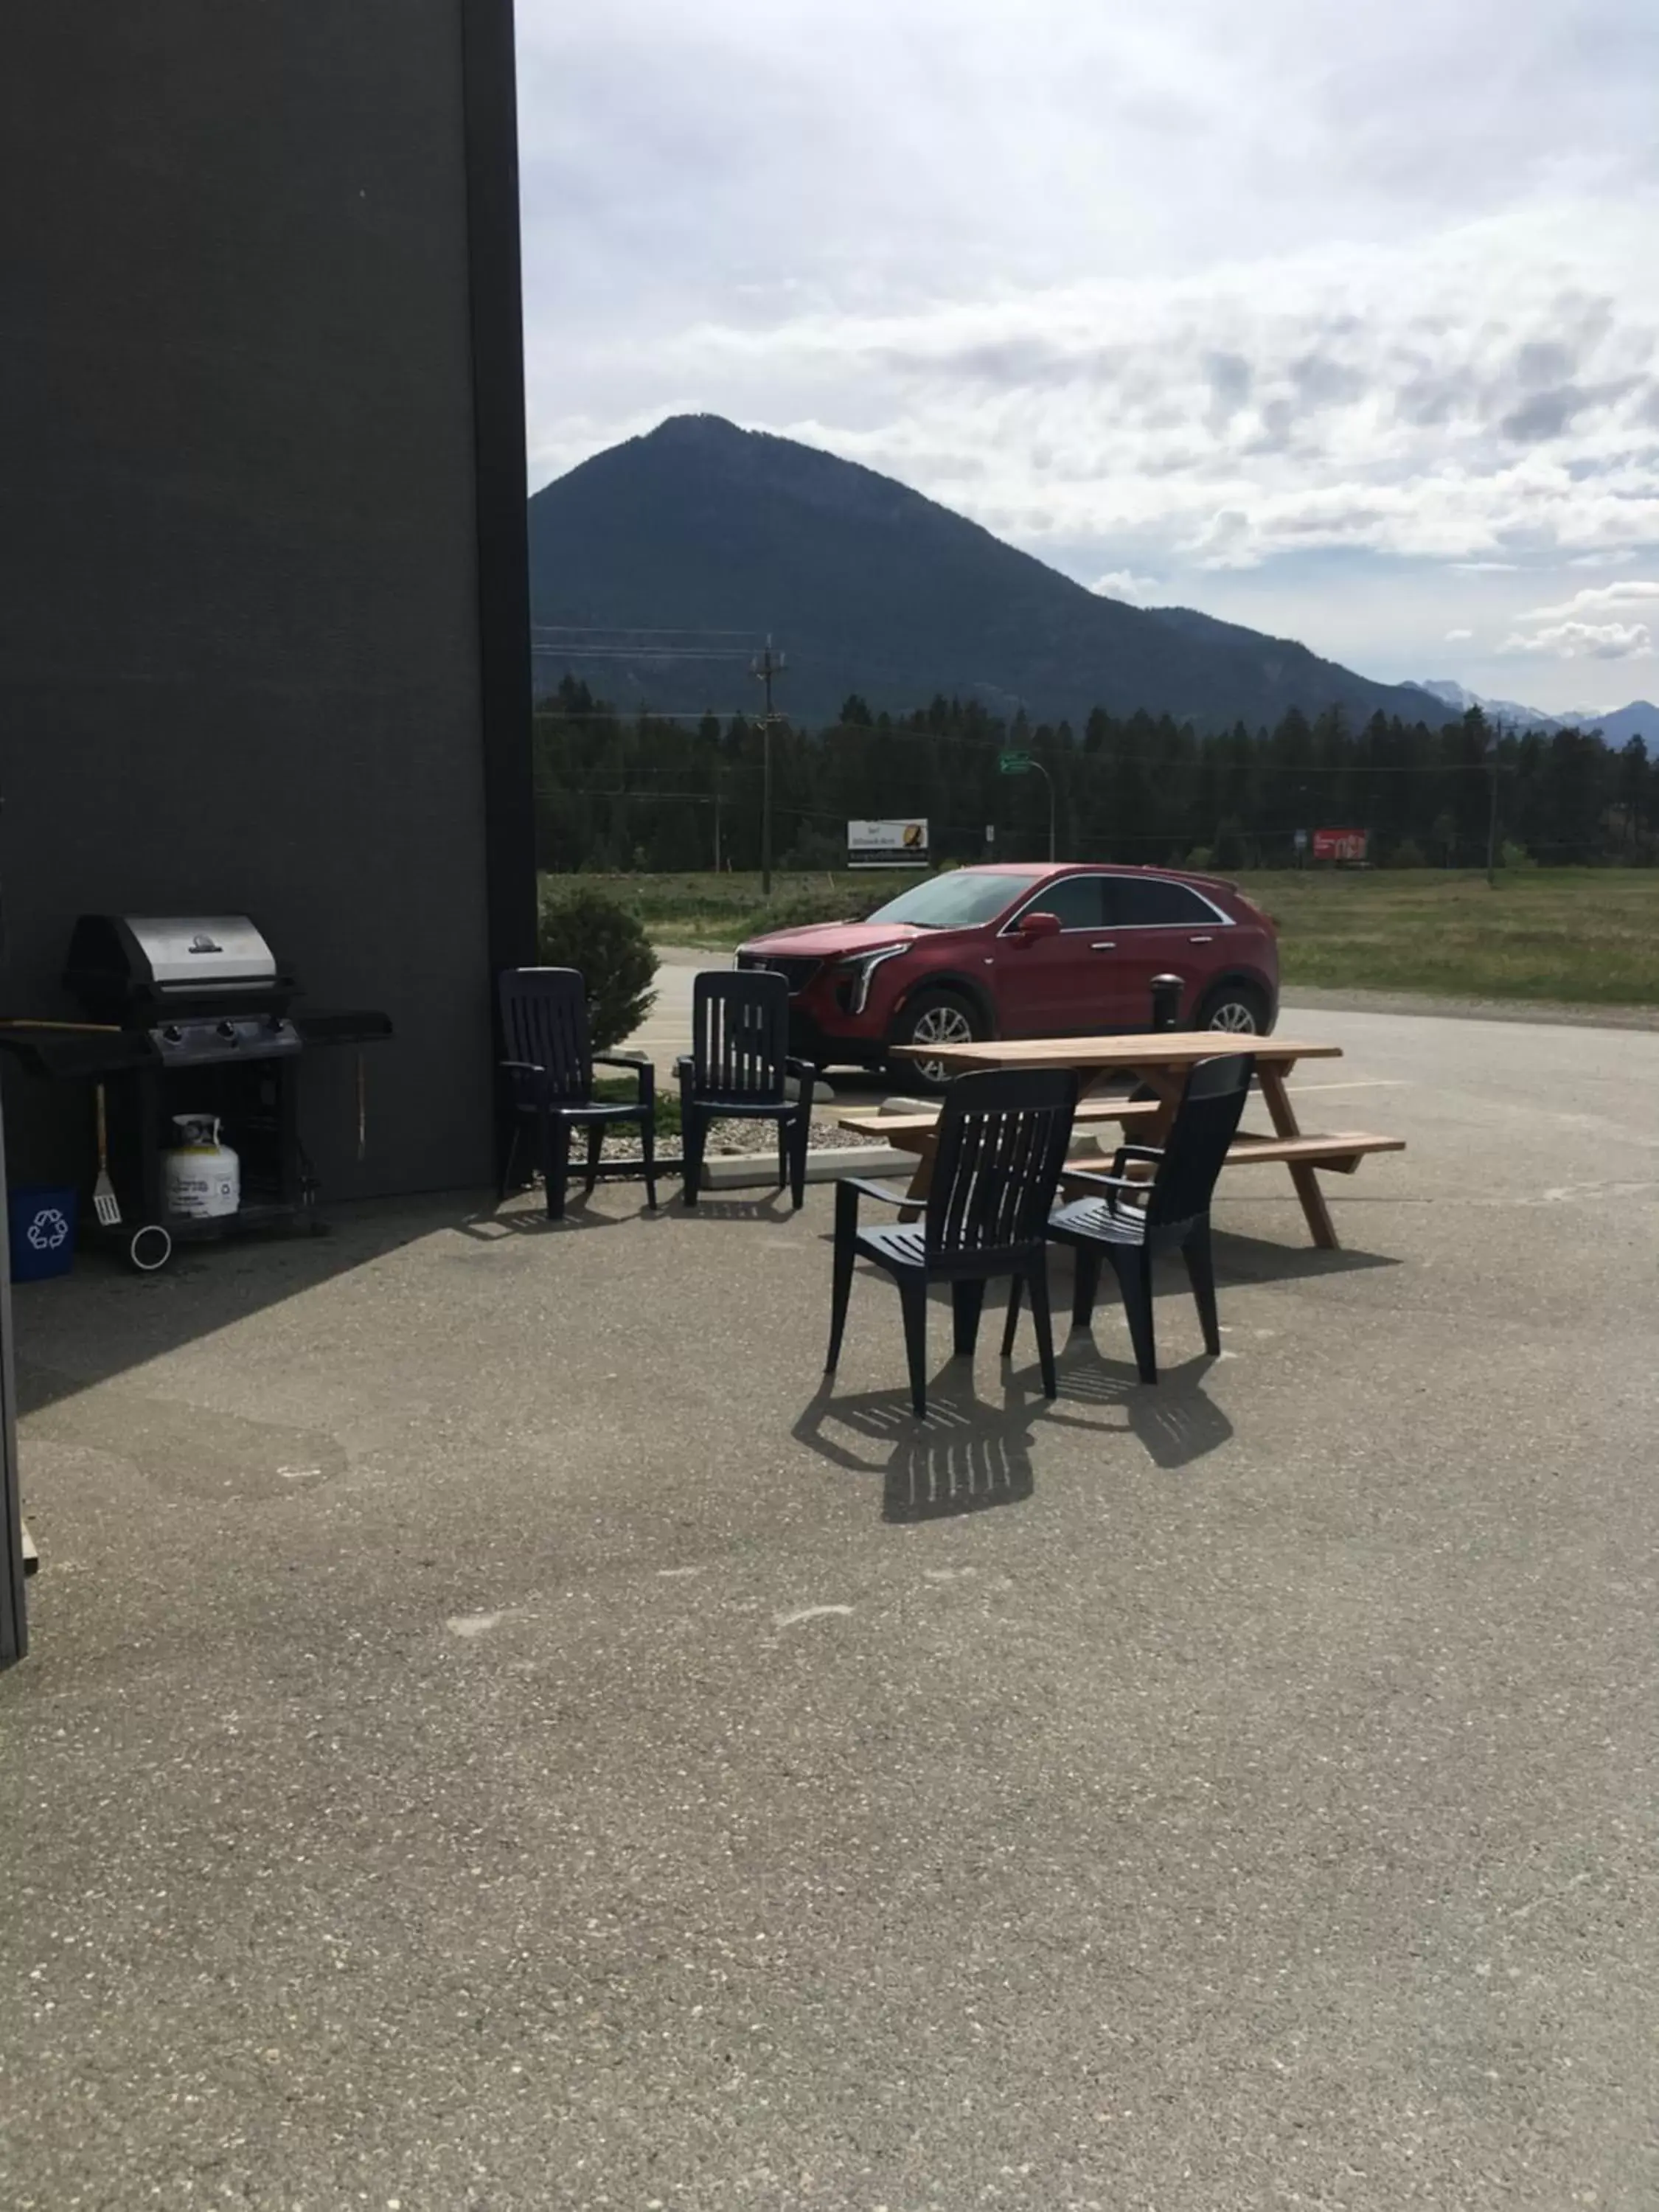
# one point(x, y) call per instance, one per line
point(804, 1072)
point(642, 1069)
point(1116, 1186)
point(866, 1189)
point(535, 1071)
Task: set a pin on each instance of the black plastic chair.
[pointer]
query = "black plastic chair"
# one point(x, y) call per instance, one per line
point(1137, 1219)
point(551, 1063)
point(739, 1067)
point(1001, 1144)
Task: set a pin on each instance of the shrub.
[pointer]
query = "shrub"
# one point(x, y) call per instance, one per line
point(1201, 860)
point(1511, 855)
point(1408, 853)
point(587, 931)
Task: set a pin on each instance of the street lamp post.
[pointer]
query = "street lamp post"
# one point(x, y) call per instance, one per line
point(1027, 764)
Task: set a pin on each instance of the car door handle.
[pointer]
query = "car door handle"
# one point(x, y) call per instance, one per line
point(1105, 944)
point(1200, 940)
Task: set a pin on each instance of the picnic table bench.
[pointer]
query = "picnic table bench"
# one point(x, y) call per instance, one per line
point(1159, 1062)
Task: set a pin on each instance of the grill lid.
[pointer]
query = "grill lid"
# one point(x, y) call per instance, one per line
point(129, 961)
point(196, 949)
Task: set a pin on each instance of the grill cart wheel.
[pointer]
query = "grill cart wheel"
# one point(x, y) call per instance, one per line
point(150, 1247)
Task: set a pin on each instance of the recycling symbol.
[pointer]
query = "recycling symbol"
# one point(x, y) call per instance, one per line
point(48, 1229)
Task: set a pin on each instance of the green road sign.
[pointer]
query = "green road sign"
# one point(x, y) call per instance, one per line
point(1013, 763)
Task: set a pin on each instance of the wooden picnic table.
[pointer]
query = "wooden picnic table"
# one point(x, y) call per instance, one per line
point(1159, 1060)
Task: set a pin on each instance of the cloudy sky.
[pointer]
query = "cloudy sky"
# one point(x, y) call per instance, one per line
point(1340, 321)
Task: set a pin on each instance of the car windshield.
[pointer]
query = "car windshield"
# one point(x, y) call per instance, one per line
point(954, 901)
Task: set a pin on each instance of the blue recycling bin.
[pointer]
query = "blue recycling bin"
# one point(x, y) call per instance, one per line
point(42, 1217)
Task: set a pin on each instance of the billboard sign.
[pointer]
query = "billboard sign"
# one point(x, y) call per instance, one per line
point(887, 844)
point(1339, 844)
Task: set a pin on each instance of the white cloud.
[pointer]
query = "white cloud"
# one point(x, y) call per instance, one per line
point(1124, 584)
point(1380, 401)
point(1457, 636)
point(1579, 640)
point(1195, 292)
point(1599, 598)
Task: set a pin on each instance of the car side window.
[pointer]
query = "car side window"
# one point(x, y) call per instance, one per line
point(1146, 900)
point(1075, 899)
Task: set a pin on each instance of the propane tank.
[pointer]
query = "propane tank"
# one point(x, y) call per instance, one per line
point(201, 1178)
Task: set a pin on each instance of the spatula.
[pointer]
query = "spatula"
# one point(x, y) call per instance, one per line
point(107, 1205)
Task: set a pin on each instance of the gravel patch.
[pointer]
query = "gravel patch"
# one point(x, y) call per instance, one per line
point(732, 1140)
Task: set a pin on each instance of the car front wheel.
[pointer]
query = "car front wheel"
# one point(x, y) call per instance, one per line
point(934, 1018)
point(1238, 1009)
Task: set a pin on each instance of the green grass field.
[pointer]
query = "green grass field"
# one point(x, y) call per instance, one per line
point(1582, 936)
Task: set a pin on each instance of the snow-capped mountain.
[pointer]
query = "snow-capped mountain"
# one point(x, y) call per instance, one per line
point(1508, 711)
point(1618, 725)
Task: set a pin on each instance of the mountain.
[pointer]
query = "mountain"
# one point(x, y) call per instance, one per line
point(1618, 725)
point(868, 588)
point(1639, 720)
point(1508, 711)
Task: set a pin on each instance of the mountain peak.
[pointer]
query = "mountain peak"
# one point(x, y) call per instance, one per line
point(871, 587)
point(693, 430)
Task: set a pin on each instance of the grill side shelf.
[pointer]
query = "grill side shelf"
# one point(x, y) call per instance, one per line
point(61, 1055)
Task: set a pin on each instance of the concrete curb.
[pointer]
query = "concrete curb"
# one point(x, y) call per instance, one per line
point(748, 1170)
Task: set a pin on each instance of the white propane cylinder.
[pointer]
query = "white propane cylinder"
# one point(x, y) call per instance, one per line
point(201, 1178)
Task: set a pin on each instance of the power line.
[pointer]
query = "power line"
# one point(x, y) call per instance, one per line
point(646, 653)
point(989, 744)
point(621, 630)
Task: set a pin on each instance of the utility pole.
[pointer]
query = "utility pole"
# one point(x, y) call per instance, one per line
point(764, 667)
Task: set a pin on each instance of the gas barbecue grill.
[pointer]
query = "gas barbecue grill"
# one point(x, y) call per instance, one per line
point(192, 1014)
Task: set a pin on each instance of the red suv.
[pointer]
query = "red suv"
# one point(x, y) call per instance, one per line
point(1022, 952)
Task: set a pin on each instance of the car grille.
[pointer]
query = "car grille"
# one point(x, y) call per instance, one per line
point(798, 974)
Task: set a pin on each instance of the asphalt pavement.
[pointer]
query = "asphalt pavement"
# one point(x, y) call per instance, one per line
point(501, 1732)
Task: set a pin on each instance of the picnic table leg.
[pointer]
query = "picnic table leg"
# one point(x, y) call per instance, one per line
point(1169, 1084)
point(1283, 1116)
point(921, 1181)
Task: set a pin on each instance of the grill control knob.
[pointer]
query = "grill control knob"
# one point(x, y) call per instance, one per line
point(172, 1032)
point(228, 1030)
point(273, 1021)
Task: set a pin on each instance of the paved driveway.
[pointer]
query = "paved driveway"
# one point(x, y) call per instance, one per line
point(499, 1734)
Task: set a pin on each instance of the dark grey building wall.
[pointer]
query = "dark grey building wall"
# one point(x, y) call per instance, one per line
point(251, 257)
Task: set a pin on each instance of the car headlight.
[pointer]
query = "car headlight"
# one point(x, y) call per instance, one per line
point(859, 967)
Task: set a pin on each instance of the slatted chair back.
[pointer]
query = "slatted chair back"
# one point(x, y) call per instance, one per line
point(740, 1034)
point(544, 1021)
point(1196, 1147)
point(1002, 1142)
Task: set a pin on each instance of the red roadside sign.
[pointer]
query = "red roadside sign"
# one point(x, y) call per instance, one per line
point(1339, 844)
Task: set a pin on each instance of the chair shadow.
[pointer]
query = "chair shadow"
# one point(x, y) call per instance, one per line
point(497, 1220)
point(968, 1454)
point(1172, 1419)
point(715, 1206)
